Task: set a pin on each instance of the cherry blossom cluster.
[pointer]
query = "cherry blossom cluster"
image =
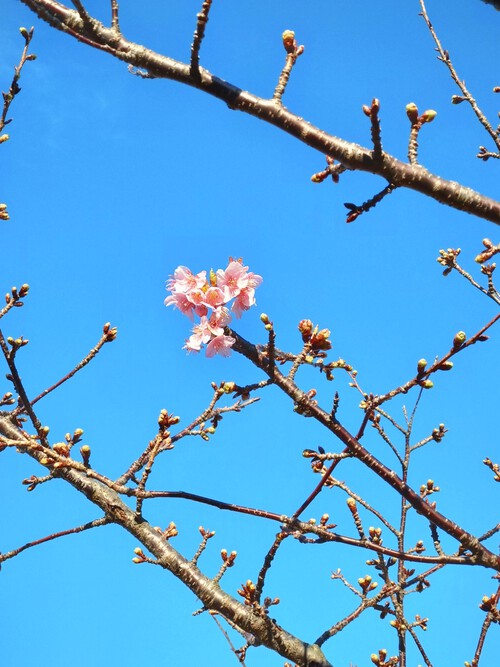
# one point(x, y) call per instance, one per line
point(194, 294)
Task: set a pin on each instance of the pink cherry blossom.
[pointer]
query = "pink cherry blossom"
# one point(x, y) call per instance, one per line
point(233, 279)
point(185, 281)
point(220, 345)
point(214, 297)
point(192, 344)
point(180, 301)
point(221, 317)
point(244, 301)
point(193, 295)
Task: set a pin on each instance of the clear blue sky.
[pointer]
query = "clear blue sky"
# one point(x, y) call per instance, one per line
point(112, 182)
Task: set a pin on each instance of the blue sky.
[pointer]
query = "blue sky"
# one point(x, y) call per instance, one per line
point(112, 182)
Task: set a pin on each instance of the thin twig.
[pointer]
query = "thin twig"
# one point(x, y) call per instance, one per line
point(444, 56)
point(234, 650)
point(154, 449)
point(268, 561)
point(105, 338)
point(25, 404)
point(78, 529)
point(376, 133)
point(293, 52)
point(403, 389)
point(199, 34)
point(484, 630)
point(84, 15)
point(325, 477)
point(208, 414)
point(14, 88)
point(115, 22)
point(356, 210)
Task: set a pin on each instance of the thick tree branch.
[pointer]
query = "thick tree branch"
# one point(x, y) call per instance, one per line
point(266, 630)
point(351, 155)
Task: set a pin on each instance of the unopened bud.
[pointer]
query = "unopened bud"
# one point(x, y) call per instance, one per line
point(305, 327)
point(428, 116)
point(412, 112)
point(459, 340)
point(289, 41)
point(422, 363)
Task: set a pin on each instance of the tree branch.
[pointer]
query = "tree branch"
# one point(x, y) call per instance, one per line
point(469, 542)
point(351, 155)
point(269, 633)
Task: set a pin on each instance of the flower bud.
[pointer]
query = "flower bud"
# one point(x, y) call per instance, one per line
point(422, 363)
point(305, 327)
point(412, 112)
point(289, 41)
point(428, 116)
point(459, 340)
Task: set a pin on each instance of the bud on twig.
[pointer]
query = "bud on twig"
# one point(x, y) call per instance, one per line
point(412, 112)
point(289, 41)
point(459, 340)
point(428, 116)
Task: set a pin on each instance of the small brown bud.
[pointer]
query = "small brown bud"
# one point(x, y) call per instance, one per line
point(306, 328)
point(61, 448)
point(289, 41)
point(85, 454)
point(412, 112)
